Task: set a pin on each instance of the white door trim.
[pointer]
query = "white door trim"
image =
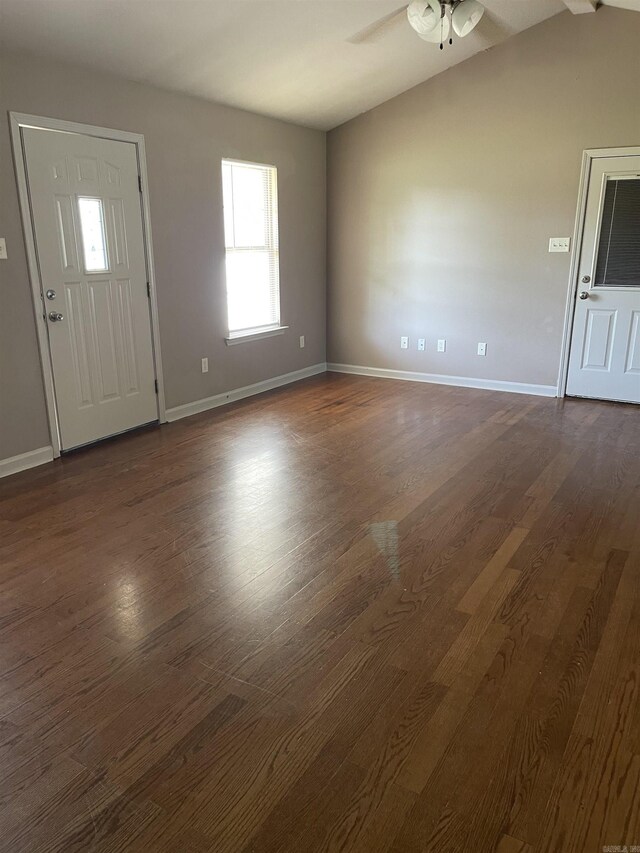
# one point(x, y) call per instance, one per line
point(587, 158)
point(18, 121)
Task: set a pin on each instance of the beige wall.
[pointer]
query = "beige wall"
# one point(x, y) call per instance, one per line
point(185, 140)
point(441, 201)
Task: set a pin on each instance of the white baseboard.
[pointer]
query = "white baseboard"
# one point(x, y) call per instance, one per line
point(25, 460)
point(207, 403)
point(441, 379)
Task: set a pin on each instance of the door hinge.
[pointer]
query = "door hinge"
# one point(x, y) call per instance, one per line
point(140, 183)
point(149, 289)
point(155, 385)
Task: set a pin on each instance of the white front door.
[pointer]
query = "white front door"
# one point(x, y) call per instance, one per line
point(604, 361)
point(87, 219)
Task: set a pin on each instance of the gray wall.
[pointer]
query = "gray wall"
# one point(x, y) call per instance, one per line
point(185, 140)
point(441, 201)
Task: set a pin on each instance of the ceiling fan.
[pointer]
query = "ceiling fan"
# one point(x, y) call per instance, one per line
point(434, 20)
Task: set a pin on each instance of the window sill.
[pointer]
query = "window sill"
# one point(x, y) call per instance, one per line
point(256, 335)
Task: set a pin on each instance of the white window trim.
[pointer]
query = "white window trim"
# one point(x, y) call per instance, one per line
point(254, 335)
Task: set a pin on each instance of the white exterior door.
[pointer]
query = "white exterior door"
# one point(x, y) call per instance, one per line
point(87, 219)
point(604, 360)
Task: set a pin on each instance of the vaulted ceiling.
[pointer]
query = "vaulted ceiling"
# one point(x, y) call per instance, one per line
point(312, 62)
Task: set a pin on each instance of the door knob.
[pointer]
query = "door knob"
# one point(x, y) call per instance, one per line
point(55, 316)
point(584, 294)
point(50, 294)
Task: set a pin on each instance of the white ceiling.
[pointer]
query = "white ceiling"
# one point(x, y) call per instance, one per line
point(292, 59)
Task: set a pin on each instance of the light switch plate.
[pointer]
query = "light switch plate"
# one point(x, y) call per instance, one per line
point(559, 244)
point(442, 345)
point(3, 249)
point(421, 344)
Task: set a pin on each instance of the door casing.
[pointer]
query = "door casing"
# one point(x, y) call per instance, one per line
point(17, 122)
point(588, 157)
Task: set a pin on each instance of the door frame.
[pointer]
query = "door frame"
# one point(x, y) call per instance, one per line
point(17, 122)
point(588, 156)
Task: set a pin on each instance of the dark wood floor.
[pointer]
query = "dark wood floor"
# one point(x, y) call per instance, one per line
point(354, 614)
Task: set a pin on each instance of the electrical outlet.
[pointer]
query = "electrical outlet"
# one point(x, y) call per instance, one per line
point(421, 344)
point(442, 345)
point(482, 349)
point(3, 249)
point(404, 343)
point(205, 365)
point(301, 341)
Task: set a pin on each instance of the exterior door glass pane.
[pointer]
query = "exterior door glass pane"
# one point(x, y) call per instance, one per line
point(93, 239)
point(618, 261)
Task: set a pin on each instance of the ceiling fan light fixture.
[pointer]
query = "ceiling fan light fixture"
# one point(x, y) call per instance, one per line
point(439, 33)
point(424, 15)
point(465, 16)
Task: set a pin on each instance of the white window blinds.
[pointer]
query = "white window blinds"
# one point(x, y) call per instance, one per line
point(250, 201)
point(618, 262)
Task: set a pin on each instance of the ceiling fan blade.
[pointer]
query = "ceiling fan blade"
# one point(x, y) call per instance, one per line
point(631, 5)
point(380, 27)
point(492, 29)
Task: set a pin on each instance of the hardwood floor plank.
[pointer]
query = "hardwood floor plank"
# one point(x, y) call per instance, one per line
point(508, 844)
point(515, 798)
point(469, 637)
point(350, 614)
point(378, 794)
point(282, 826)
point(598, 759)
point(492, 571)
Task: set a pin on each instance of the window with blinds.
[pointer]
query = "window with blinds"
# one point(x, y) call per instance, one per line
point(618, 261)
point(250, 201)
